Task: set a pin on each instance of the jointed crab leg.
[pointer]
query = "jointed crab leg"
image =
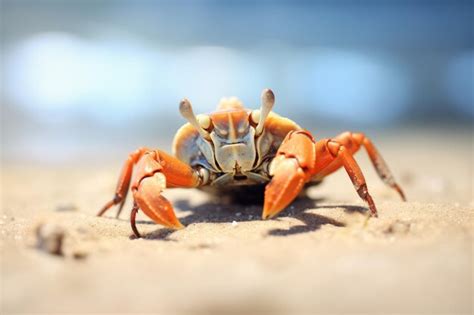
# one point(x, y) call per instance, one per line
point(353, 142)
point(154, 171)
point(123, 182)
point(328, 151)
point(298, 159)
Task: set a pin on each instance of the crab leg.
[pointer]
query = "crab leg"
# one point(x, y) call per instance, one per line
point(299, 159)
point(133, 215)
point(123, 182)
point(353, 142)
point(154, 171)
point(291, 168)
point(328, 151)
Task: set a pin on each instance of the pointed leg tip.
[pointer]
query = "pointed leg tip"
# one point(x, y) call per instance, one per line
point(400, 192)
point(119, 210)
point(107, 206)
point(402, 195)
point(372, 215)
point(373, 212)
point(101, 212)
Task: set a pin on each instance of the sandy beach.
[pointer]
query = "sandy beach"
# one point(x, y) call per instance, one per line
point(321, 255)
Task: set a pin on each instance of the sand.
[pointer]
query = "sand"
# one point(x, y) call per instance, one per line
point(321, 255)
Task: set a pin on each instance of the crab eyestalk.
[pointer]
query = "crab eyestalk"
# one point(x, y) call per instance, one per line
point(268, 100)
point(186, 111)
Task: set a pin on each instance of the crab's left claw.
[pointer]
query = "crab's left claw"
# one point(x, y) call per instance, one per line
point(288, 180)
point(291, 169)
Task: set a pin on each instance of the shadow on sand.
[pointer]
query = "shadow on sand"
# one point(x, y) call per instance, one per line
point(215, 211)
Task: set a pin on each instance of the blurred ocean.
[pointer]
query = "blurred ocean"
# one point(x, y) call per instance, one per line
point(85, 77)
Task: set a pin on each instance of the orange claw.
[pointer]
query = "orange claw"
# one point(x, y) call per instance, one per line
point(153, 204)
point(149, 172)
point(291, 169)
point(288, 180)
point(155, 171)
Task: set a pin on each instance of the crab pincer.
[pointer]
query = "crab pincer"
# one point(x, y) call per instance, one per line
point(291, 169)
point(153, 171)
point(148, 197)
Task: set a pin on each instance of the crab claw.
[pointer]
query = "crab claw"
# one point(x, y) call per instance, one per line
point(288, 180)
point(153, 204)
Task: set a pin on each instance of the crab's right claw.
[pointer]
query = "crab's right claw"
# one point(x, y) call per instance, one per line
point(288, 180)
point(153, 204)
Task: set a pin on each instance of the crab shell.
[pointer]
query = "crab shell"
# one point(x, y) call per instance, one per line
point(233, 155)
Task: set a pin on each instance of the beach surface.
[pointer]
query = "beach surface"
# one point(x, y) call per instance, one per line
point(323, 254)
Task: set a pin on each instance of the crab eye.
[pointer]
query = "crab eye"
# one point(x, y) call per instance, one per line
point(204, 121)
point(255, 117)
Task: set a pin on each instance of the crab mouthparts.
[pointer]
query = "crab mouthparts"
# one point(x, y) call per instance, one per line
point(238, 172)
point(232, 143)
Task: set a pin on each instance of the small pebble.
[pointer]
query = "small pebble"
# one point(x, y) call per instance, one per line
point(234, 223)
point(238, 214)
point(79, 255)
point(49, 238)
point(66, 207)
point(398, 227)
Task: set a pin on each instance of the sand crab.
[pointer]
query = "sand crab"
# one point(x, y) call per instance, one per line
point(235, 147)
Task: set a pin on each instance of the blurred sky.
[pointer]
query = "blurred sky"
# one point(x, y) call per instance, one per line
point(88, 76)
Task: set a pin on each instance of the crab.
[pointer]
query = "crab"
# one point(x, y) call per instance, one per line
point(234, 148)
